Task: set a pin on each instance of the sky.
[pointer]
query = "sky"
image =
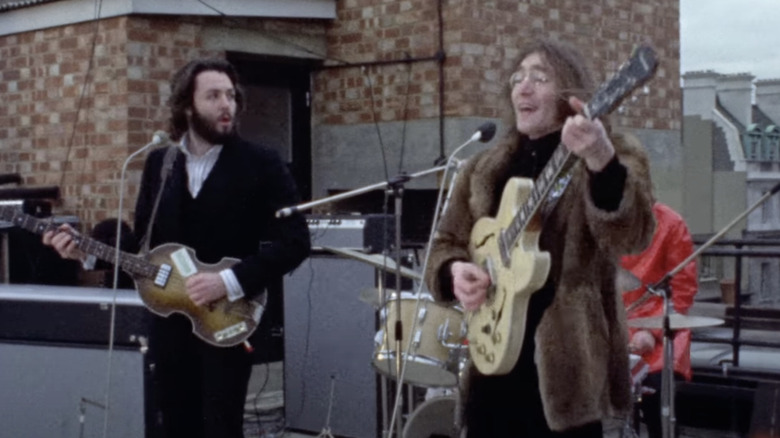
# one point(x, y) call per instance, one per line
point(731, 36)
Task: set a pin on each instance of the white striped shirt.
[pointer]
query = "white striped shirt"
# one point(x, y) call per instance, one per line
point(199, 167)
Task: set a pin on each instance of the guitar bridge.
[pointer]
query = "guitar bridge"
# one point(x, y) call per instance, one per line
point(163, 274)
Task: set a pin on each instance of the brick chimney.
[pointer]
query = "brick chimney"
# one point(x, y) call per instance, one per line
point(699, 91)
point(768, 98)
point(735, 93)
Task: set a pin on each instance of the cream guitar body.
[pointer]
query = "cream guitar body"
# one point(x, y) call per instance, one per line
point(497, 328)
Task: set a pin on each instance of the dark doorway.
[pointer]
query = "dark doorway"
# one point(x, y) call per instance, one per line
point(277, 111)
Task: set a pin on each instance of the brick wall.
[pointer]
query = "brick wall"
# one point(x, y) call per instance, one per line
point(480, 40)
point(43, 72)
point(42, 78)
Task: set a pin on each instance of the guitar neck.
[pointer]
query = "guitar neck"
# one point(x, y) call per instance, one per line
point(638, 70)
point(559, 163)
point(128, 262)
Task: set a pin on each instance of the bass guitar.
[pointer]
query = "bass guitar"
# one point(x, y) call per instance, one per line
point(160, 277)
point(507, 246)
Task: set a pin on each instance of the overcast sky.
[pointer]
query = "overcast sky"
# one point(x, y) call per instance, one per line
point(731, 36)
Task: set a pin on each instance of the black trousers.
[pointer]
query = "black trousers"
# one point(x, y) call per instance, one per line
point(511, 406)
point(200, 389)
point(504, 406)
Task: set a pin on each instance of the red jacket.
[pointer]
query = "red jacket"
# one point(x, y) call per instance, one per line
point(670, 246)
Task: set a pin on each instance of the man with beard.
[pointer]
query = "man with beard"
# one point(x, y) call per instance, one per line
point(219, 198)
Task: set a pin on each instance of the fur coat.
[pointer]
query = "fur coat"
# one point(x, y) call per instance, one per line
point(581, 341)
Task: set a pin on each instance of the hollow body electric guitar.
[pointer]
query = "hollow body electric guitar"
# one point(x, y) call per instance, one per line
point(507, 246)
point(160, 277)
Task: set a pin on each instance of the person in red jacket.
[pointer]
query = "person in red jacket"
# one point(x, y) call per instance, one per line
point(671, 245)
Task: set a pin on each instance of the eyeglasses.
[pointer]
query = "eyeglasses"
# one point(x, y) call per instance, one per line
point(536, 77)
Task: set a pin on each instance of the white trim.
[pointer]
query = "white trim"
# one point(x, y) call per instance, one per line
point(67, 12)
point(733, 140)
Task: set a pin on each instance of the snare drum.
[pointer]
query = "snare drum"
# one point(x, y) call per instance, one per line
point(436, 342)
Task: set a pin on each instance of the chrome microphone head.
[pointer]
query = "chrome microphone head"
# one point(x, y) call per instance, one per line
point(160, 137)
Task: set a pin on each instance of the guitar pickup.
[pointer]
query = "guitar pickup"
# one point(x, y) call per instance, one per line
point(231, 332)
point(163, 274)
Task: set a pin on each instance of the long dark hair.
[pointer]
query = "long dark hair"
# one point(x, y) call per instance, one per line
point(571, 71)
point(183, 89)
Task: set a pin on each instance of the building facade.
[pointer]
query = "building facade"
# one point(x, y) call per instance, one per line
point(732, 138)
point(351, 92)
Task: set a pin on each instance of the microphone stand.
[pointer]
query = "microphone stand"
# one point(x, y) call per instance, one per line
point(159, 137)
point(663, 289)
point(396, 190)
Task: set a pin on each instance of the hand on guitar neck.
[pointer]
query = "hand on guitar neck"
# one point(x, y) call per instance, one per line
point(587, 138)
point(63, 242)
point(469, 284)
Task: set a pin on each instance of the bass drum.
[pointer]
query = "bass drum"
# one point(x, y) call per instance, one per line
point(434, 418)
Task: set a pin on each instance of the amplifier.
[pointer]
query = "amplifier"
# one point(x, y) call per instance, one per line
point(53, 363)
point(57, 315)
point(371, 233)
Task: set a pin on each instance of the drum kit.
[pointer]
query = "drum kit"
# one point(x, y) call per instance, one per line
point(433, 351)
point(639, 369)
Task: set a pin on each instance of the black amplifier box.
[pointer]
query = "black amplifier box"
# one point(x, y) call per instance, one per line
point(372, 233)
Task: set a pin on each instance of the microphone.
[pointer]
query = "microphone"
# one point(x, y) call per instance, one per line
point(159, 138)
point(484, 133)
point(287, 211)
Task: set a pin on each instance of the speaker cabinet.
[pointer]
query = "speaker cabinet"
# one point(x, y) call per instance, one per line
point(46, 390)
point(329, 340)
point(54, 364)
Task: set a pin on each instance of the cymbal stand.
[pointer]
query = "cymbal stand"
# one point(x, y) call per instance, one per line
point(668, 420)
point(326, 429)
point(396, 190)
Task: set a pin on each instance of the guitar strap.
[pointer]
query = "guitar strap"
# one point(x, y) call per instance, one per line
point(556, 191)
point(165, 171)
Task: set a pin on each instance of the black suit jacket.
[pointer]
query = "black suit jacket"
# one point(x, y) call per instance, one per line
point(247, 185)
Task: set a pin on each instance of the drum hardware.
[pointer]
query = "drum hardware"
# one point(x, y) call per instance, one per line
point(395, 187)
point(326, 429)
point(676, 322)
point(663, 289)
point(380, 261)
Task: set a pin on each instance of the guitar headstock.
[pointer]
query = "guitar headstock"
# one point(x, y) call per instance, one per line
point(631, 75)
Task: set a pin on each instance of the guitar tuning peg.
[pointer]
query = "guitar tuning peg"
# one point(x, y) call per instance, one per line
point(634, 98)
point(646, 89)
point(621, 109)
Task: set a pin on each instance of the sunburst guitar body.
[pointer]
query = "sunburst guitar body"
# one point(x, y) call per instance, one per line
point(160, 277)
